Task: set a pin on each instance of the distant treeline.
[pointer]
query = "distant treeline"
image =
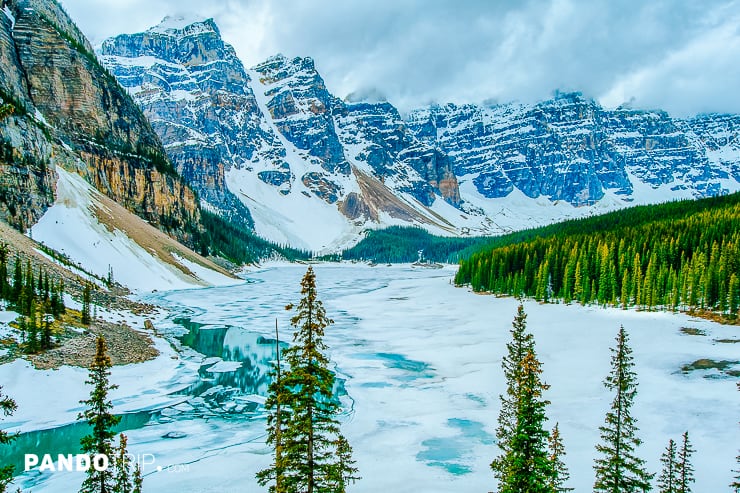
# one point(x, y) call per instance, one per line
point(221, 237)
point(677, 255)
point(400, 244)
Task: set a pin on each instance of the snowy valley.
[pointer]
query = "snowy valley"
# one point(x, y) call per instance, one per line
point(422, 380)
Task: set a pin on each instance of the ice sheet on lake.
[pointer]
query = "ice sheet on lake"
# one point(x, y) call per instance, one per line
point(421, 363)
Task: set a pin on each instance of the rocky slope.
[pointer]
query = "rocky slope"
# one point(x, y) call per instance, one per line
point(193, 88)
point(61, 110)
point(71, 112)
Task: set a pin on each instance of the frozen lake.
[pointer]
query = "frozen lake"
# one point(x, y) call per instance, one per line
point(420, 365)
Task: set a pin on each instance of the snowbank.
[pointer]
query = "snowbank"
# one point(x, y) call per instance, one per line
point(72, 227)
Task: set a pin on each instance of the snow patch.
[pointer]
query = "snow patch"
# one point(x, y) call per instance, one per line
point(173, 23)
point(40, 117)
point(10, 16)
point(49, 398)
point(70, 227)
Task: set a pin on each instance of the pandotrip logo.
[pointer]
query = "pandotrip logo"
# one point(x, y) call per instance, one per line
point(99, 462)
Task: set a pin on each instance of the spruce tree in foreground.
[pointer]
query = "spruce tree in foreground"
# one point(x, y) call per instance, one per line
point(138, 480)
point(521, 343)
point(123, 465)
point(530, 467)
point(557, 452)
point(306, 435)
point(684, 469)
point(735, 485)
point(275, 405)
point(99, 416)
point(7, 407)
point(619, 469)
point(343, 471)
point(667, 482)
point(523, 463)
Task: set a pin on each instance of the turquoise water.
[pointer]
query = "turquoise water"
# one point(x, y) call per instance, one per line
point(451, 453)
point(61, 440)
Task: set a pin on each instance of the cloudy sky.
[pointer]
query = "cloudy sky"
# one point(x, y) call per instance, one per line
point(679, 55)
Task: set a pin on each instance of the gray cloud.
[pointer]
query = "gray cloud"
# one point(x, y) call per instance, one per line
point(678, 55)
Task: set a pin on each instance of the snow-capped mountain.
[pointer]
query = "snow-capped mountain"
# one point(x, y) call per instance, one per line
point(571, 149)
point(314, 171)
point(194, 90)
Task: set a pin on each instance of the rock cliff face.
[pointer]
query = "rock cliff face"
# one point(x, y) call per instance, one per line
point(571, 149)
point(334, 133)
point(26, 148)
point(194, 89)
point(375, 134)
point(52, 71)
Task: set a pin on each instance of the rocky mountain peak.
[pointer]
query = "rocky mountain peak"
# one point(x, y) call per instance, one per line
point(292, 80)
point(176, 39)
point(185, 25)
point(275, 139)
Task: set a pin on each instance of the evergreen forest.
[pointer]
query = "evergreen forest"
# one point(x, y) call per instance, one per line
point(401, 244)
point(678, 256)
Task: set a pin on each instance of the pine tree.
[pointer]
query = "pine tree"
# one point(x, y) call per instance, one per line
point(46, 320)
point(123, 465)
point(98, 415)
point(86, 296)
point(684, 469)
point(275, 406)
point(619, 470)
point(521, 344)
point(29, 285)
point(523, 463)
point(7, 406)
point(137, 479)
point(735, 485)
point(47, 287)
point(17, 280)
point(308, 434)
point(557, 452)
point(33, 343)
point(4, 286)
point(667, 480)
point(530, 468)
point(58, 306)
point(344, 470)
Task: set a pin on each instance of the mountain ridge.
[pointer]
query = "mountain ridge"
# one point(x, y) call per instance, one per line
point(294, 146)
point(454, 169)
